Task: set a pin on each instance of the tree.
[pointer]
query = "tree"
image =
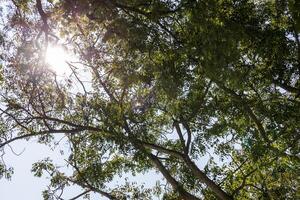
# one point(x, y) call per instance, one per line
point(169, 82)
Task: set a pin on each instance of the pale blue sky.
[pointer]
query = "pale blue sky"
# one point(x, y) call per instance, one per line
point(24, 185)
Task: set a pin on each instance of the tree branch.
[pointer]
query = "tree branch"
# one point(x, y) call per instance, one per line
point(180, 135)
point(72, 131)
point(176, 186)
point(88, 185)
point(81, 194)
point(162, 149)
point(249, 111)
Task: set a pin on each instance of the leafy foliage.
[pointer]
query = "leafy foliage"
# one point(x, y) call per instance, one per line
point(160, 85)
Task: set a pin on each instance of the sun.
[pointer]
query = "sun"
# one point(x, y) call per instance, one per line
point(57, 59)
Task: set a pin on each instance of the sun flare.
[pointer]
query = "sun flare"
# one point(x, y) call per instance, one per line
point(57, 58)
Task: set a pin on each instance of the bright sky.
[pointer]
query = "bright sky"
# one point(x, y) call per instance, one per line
point(24, 185)
point(57, 58)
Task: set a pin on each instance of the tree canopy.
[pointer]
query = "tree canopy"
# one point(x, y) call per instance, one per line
point(158, 85)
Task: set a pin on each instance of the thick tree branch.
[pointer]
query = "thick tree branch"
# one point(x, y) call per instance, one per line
point(162, 149)
point(194, 169)
point(180, 135)
point(176, 186)
point(203, 178)
point(43, 15)
point(81, 194)
point(156, 162)
point(189, 136)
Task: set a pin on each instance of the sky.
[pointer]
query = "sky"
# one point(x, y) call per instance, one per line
point(23, 184)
